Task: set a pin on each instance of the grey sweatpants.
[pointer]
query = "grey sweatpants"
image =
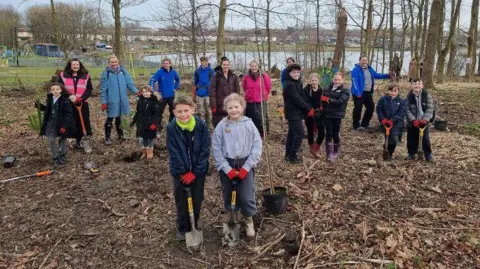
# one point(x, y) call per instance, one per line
point(245, 194)
point(59, 151)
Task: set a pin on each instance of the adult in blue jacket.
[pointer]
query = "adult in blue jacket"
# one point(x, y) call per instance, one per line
point(168, 82)
point(201, 81)
point(283, 75)
point(115, 81)
point(363, 82)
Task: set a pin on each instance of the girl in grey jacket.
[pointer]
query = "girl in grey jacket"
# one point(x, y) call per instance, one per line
point(237, 149)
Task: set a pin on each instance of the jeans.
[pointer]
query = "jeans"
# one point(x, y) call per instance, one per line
point(294, 138)
point(367, 101)
point(148, 142)
point(59, 151)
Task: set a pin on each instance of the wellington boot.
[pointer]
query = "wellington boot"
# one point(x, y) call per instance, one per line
point(144, 154)
point(149, 152)
point(249, 227)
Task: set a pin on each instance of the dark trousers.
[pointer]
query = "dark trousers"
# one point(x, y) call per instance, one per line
point(118, 126)
point(254, 111)
point(294, 138)
point(217, 117)
point(312, 126)
point(332, 128)
point(183, 220)
point(392, 143)
point(163, 104)
point(413, 137)
point(367, 101)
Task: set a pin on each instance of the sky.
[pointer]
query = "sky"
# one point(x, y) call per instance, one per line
point(147, 11)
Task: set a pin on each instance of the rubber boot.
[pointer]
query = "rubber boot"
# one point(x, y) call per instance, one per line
point(336, 150)
point(149, 152)
point(316, 148)
point(144, 153)
point(120, 133)
point(312, 150)
point(108, 132)
point(249, 227)
point(328, 150)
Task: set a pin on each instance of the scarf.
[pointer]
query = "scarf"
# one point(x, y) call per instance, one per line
point(189, 125)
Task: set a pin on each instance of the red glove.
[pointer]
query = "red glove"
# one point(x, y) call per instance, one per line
point(390, 123)
point(359, 97)
point(63, 130)
point(152, 127)
point(78, 100)
point(423, 123)
point(311, 112)
point(324, 99)
point(214, 110)
point(232, 174)
point(104, 107)
point(242, 173)
point(416, 123)
point(188, 178)
point(384, 121)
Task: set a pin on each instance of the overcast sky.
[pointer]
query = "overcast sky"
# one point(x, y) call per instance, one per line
point(151, 8)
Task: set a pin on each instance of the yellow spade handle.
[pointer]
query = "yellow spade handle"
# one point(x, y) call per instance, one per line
point(422, 130)
point(190, 205)
point(234, 198)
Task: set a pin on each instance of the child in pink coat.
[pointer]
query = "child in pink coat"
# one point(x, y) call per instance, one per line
point(255, 83)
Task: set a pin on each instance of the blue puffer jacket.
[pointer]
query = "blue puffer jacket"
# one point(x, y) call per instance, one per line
point(202, 78)
point(358, 79)
point(113, 91)
point(168, 82)
point(182, 160)
point(392, 109)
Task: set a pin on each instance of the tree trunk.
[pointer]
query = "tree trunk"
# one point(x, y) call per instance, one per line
point(412, 29)
point(443, 52)
point(317, 45)
point(417, 34)
point(56, 32)
point(431, 43)
point(194, 34)
point(269, 36)
point(472, 41)
point(368, 33)
point(363, 50)
point(221, 29)
point(118, 30)
point(424, 30)
point(341, 32)
point(391, 36)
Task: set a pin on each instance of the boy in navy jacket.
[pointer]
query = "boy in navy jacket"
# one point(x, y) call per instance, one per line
point(391, 112)
point(188, 143)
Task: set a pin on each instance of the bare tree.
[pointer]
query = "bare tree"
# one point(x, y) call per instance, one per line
point(341, 32)
point(221, 29)
point(424, 29)
point(442, 54)
point(472, 41)
point(432, 38)
point(9, 19)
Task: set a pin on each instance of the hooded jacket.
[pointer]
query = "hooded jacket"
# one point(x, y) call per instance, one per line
point(337, 102)
point(146, 115)
point(202, 78)
point(113, 91)
point(295, 100)
point(358, 79)
point(253, 88)
point(222, 87)
point(168, 82)
point(236, 140)
point(392, 109)
point(64, 117)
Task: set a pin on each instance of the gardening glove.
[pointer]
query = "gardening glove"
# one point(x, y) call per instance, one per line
point(188, 178)
point(242, 173)
point(72, 98)
point(78, 100)
point(63, 130)
point(324, 98)
point(423, 123)
point(153, 127)
point(359, 96)
point(384, 122)
point(232, 174)
point(311, 112)
point(214, 110)
point(104, 107)
point(416, 123)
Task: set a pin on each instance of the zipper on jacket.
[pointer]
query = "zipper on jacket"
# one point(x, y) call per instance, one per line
point(188, 150)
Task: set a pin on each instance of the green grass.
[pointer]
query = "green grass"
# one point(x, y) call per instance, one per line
point(472, 128)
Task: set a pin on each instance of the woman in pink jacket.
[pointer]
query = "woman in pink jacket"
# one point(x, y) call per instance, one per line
point(255, 83)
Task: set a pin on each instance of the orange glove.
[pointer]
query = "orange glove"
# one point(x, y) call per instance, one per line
point(188, 178)
point(242, 173)
point(324, 99)
point(311, 112)
point(104, 107)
